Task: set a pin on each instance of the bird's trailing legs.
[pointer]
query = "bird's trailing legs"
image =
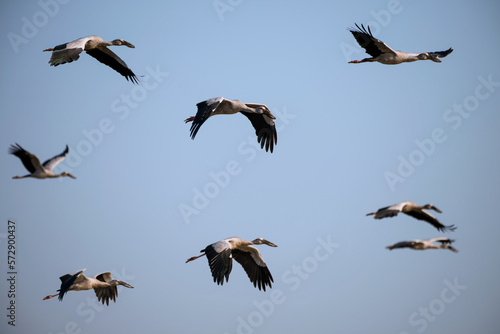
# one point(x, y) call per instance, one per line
point(195, 257)
point(51, 296)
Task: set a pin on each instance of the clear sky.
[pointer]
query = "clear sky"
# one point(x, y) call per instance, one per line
point(352, 138)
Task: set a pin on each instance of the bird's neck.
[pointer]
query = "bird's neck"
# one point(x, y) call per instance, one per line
point(410, 57)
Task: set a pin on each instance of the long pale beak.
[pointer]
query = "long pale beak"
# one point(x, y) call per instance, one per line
point(130, 45)
point(436, 209)
point(269, 243)
point(435, 59)
point(126, 285)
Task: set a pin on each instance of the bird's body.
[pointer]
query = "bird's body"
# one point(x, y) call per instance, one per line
point(414, 210)
point(221, 253)
point(416, 244)
point(259, 114)
point(33, 165)
point(97, 48)
point(105, 287)
point(382, 53)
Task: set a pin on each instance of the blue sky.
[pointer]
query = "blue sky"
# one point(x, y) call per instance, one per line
point(351, 138)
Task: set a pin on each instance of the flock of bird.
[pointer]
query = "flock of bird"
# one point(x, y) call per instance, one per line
point(220, 254)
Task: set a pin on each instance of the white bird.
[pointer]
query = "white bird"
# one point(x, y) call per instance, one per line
point(383, 54)
point(414, 210)
point(33, 165)
point(425, 244)
point(97, 48)
point(103, 284)
point(220, 259)
point(259, 114)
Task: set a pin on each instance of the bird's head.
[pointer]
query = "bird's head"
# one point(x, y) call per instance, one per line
point(431, 207)
point(260, 241)
point(426, 55)
point(120, 41)
point(68, 174)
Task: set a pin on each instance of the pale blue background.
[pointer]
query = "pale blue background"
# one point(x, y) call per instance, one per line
point(348, 125)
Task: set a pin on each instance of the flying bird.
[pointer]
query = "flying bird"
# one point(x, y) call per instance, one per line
point(414, 210)
point(220, 259)
point(103, 284)
point(425, 244)
point(97, 48)
point(33, 165)
point(259, 114)
point(383, 54)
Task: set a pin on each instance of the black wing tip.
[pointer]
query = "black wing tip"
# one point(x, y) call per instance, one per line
point(132, 78)
point(267, 137)
point(361, 30)
point(449, 228)
point(13, 149)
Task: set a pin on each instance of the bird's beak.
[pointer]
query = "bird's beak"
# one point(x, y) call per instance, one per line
point(71, 176)
point(435, 59)
point(269, 243)
point(130, 45)
point(436, 209)
point(126, 285)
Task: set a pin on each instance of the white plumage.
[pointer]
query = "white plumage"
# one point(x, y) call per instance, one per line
point(105, 287)
point(259, 114)
point(221, 253)
point(416, 244)
point(95, 47)
point(383, 54)
point(414, 210)
point(33, 165)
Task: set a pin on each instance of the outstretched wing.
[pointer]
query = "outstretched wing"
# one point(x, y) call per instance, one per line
point(265, 129)
point(54, 161)
point(67, 281)
point(255, 267)
point(104, 295)
point(108, 57)
point(373, 46)
point(205, 110)
point(425, 216)
point(441, 54)
point(442, 240)
point(220, 260)
point(29, 160)
point(389, 211)
point(403, 244)
point(66, 53)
